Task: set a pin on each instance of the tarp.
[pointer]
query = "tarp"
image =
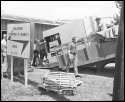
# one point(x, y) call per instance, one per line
point(109, 33)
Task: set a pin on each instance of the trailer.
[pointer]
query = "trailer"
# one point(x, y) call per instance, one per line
point(93, 48)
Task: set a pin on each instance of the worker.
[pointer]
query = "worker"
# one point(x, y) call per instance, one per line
point(4, 53)
point(116, 19)
point(36, 53)
point(4, 47)
point(101, 25)
point(72, 56)
point(43, 51)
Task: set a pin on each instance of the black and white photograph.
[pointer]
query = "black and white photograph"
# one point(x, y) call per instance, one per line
point(62, 50)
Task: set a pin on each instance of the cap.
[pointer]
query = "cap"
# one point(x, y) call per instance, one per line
point(73, 38)
point(98, 18)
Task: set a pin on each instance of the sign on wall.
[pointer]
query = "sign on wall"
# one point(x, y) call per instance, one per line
point(18, 40)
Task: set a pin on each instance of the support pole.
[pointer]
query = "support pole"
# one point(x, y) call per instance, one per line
point(118, 85)
point(1, 67)
point(64, 55)
point(12, 68)
point(57, 56)
point(85, 42)
point(25, 70)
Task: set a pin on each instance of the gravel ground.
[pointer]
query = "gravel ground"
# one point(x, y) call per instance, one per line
point(95, 87)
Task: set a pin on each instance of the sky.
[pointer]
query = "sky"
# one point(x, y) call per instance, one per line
point(59, 10)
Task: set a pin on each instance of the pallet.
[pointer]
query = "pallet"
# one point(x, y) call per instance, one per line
point(63, 91)
point(60, 82)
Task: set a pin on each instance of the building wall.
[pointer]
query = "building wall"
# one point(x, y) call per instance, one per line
point(39, 28)
point(5, 22)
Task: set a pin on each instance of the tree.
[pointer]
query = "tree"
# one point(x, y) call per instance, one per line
point(116, 16)
point(118, 87)
point(118, 4)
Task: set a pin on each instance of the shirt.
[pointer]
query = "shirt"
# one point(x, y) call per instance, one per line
point(102, 26)
point(36, 47)
point(72, 47)
point(42, 45)
point(4, 46)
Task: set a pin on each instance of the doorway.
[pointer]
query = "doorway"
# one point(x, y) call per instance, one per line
point(2, 33)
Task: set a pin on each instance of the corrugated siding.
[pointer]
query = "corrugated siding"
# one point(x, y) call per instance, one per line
point(40, 28)
point(3, 25)
point(5, 22)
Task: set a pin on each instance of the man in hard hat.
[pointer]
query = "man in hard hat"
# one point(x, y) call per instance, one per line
point(72, 56)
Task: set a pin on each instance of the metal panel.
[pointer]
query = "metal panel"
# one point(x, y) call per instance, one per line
point(107, 48)
point(35, 34)
point(94, 50)
point(90, 25)
point(44, 27)
point(3, 24)
point(39, 33)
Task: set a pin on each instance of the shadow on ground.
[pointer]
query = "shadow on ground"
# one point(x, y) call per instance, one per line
point(107, 71)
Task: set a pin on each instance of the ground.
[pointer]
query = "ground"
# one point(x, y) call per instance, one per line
point(95, 87)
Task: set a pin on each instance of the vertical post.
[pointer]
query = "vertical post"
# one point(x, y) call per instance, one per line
point(1, 73)
point(85, 42)
point(1, 67)
point(57, 56)
point(32, 35)
point(18, 66)
point(118, 85)
point(64, 55)
point(25, 70)
point(12, 68)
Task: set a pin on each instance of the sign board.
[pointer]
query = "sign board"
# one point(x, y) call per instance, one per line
point(18, 40)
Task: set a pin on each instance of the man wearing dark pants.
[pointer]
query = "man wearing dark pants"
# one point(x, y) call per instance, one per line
point(36, 54)
point(72, 56)
point(43, 51)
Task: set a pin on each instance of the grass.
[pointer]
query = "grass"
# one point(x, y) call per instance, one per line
point(94, 88)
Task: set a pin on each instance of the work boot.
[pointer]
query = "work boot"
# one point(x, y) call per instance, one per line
point(64, 70)
point(78, 75)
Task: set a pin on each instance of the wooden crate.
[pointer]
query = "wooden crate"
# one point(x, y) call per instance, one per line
point(60, 80)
